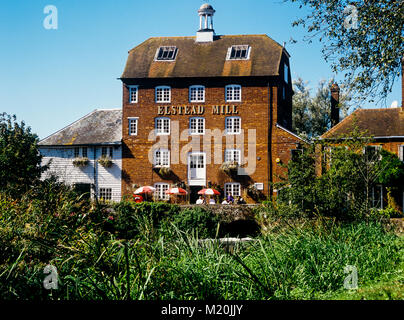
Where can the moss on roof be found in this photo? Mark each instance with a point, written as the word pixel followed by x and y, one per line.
pixel 204 59
pixel 386 122
pixel 97 127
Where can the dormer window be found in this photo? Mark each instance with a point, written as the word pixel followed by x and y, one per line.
pixel 239 52
pixel 166 53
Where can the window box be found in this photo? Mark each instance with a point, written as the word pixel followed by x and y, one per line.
pixel 165 171
pixel 229 167
pixel 105 161
pixel 80 162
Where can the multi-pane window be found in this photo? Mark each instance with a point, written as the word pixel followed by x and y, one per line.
pixel 233 93
pixel 233 125
pixel 197 94
pixel 233 188
pixel 239 52
pixel 197 125
pixel 163 94
pixel 232 155
pixel 84 152
pixel 107 152
pixel 161 158
pixel 166 53
pixel 133 93
pixel 132 122
pixel 105 193
pixel 162 126
pixel 76 152
pixel 160 193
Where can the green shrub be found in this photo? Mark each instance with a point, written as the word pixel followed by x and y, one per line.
pixel 199 220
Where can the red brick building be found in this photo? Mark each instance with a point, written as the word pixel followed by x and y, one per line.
pixel 208 110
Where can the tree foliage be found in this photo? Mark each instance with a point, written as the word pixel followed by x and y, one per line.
pixel 363 39
pixel 339 179
pixel 19 156
pixel 311 116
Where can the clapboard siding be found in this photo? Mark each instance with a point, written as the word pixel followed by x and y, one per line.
pixel 62 166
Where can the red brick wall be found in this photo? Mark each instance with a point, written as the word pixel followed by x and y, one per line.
pixel 253 110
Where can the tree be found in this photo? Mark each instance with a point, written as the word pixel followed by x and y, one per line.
pixel 311 116
pixel 19 156
pixel 340 179
pixel 363 39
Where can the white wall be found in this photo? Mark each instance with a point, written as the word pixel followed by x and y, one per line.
pixel 62 166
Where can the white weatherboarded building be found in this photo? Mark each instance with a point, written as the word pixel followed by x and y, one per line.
pixel 88 154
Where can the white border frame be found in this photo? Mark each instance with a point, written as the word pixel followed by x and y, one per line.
pixel 232 183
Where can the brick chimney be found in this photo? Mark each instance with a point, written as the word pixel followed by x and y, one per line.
pixel 334 104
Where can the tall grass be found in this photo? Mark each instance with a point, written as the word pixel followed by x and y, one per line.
pixel 167 261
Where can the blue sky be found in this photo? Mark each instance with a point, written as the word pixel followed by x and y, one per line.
pixel 50 78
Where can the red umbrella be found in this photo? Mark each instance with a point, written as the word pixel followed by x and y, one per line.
pixel 209 192
pixel 176 191
pixel 146 189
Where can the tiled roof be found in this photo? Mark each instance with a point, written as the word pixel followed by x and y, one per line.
pixel 205 59
pixel 98 127
pixel 388 122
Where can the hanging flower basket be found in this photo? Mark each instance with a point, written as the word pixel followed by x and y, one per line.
pixel 80 162
pixel 229 167
pixel 253 191
pixel 165 171
pixel 106 162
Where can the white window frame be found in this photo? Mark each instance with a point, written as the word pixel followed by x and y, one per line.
pixel 377 147
pixel 155 165
pixel 197 88
pixel 233 87
pixel 232 158
pixel 162 132
pixel 107 191
pixel 232 127
pixel 401 152
pixel 196 133
pixel 136 120
pixel 162 96
pixel 166 60
pixel 232 184
pixel 228 57
pixel 130 89
pixel 160 193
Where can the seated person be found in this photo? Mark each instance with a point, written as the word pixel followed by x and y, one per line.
pixel 200 200
pixel 240 200
pixel 212 201
pixel 230 198
pixel 225 202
